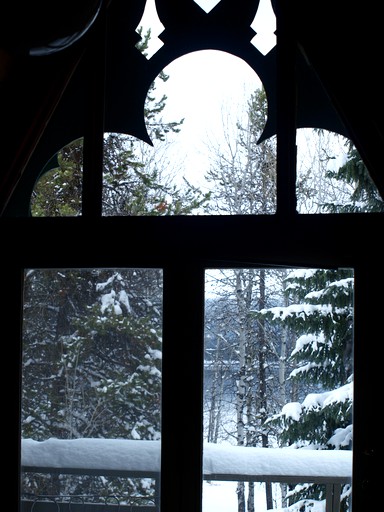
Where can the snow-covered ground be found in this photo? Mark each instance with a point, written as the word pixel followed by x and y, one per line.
pixel 221 497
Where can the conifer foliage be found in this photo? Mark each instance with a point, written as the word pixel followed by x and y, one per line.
pixel 91 364
pixel 321 316
pixel 365 196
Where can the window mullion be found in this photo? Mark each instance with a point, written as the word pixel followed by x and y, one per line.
pixel 94 126
pixel 12 309
pixel 367 371
pixel 286 110
pixel 181 471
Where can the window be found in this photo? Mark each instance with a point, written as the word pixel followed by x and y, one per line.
pixel 183 247
pixel 278 375
pixel 92 378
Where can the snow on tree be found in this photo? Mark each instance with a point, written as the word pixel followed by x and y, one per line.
pixel 321 316
pixel 365 196
pixel 91 364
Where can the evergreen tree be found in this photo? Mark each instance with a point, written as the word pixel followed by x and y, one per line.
pixel 365 197
pixel 58 191
pixel 125 336
pixel 322 319
pixel 323 185
pixel 91 364
pixel 137 186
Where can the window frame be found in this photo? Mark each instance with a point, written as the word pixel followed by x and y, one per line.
pixel 209 242
pixel 184 247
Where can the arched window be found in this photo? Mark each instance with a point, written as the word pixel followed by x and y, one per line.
pixel 92 82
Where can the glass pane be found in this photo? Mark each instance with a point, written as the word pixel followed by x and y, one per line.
pixel 331 175
pixel 91 386
pixel 204 115
pixel 278 389
pixel 215 153
pixel 58 192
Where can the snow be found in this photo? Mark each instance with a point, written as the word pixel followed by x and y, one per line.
pixel 318 401
pixel 105 454
pixel 219 459
pixel 220 496
pixel 302 310
pixel 290 462
pixel 342 437
pixel 321 400
pixel 308 339
pixel 292 410
pixel 109 301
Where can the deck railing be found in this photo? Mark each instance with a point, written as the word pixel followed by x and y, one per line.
pixel 141 459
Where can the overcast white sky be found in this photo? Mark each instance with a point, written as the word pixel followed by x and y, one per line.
pixel 212 81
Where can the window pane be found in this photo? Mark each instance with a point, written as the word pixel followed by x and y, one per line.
pixel 198 151
pixel 331 175
pixel 278 387
pixel 208 145
pixel 58 192
pixel 91 385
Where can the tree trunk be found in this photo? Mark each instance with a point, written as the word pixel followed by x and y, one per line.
pixel 241 382
pixel 263 402
pixel 251 497
pixel 216 397
pixel 240 497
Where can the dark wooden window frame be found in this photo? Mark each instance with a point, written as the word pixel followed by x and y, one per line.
pixel 184 247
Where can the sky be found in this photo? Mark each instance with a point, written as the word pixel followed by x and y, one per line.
pixel 219 459
pixel 217 86
pixel 212 81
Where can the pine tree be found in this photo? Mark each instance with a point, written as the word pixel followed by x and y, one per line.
pixel 58 191
pixel 365 197
pixel 91 364
pixel 322 319
pixel 124 331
